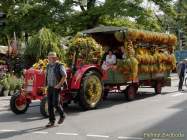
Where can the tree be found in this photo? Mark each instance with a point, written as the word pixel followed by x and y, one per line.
pixel 30 16
pixel 175 17
pixel 41 44
pixel 67 17
pixel 120 12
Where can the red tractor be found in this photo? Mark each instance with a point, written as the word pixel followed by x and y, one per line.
pixel 88 84
pixel 81 88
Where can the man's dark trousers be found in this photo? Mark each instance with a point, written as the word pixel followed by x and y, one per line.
pixel 54 102
pixel 181 80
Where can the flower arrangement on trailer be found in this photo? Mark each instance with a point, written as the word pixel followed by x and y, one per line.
pixel 147 52
pixel 86 48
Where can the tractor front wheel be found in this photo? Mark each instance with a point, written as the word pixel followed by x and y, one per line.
pixel 18 103
pixel 91 91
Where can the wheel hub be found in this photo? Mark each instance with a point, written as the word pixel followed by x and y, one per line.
pixel 21 103
pixel 94 90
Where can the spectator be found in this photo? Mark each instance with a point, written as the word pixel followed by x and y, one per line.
pixel 181 70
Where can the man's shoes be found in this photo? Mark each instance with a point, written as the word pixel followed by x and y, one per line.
pixel 181 90
pixel 61 120
pixel 50 124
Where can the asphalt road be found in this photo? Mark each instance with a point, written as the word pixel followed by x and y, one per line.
pixel 148 117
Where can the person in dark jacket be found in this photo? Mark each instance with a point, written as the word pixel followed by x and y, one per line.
pixel 55 78
pixel 181 70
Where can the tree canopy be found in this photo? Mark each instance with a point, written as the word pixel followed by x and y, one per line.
pixel 67 17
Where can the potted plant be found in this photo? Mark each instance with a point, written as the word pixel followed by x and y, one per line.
pixel 6 86
pixel 19 83
pixel 12 82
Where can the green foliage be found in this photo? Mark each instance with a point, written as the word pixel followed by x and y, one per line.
pixel 118 22
pixel 19 84
pixel 5 82
pixel 63 18
pixel 11 82
pixel 41 44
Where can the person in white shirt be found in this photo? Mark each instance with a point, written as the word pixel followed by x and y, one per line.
pixel 110 60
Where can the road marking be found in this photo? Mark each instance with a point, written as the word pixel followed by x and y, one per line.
pixel 40 132
pixel 97 136
pixel 178 94
pixel 8 130
pixel 34 118
pixel 68 134
pixel 130 138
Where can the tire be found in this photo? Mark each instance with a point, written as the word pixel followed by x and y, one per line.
pixel 130 92
pixel 17 99
pixel 44 107
pixel 158 87
pixel 90 82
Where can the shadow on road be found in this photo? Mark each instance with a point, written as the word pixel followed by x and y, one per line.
pixel 165 93
pixel 173 127
pixel 117 98
pixel 6 135
pixel 33 113
pixel 27 117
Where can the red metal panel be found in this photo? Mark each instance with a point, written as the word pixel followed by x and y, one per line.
pixel 76 79
pixel 34 79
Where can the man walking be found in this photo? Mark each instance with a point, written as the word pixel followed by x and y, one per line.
pixel 181 70
pixel 55 78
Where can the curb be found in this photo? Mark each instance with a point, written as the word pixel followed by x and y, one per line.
pixel 4 109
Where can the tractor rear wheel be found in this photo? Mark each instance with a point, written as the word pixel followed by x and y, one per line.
pixel 18 103
pixel 91 91
pixel 44 107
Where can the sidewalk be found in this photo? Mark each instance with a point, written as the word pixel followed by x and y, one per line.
pixel 4 103
pixel 174 76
